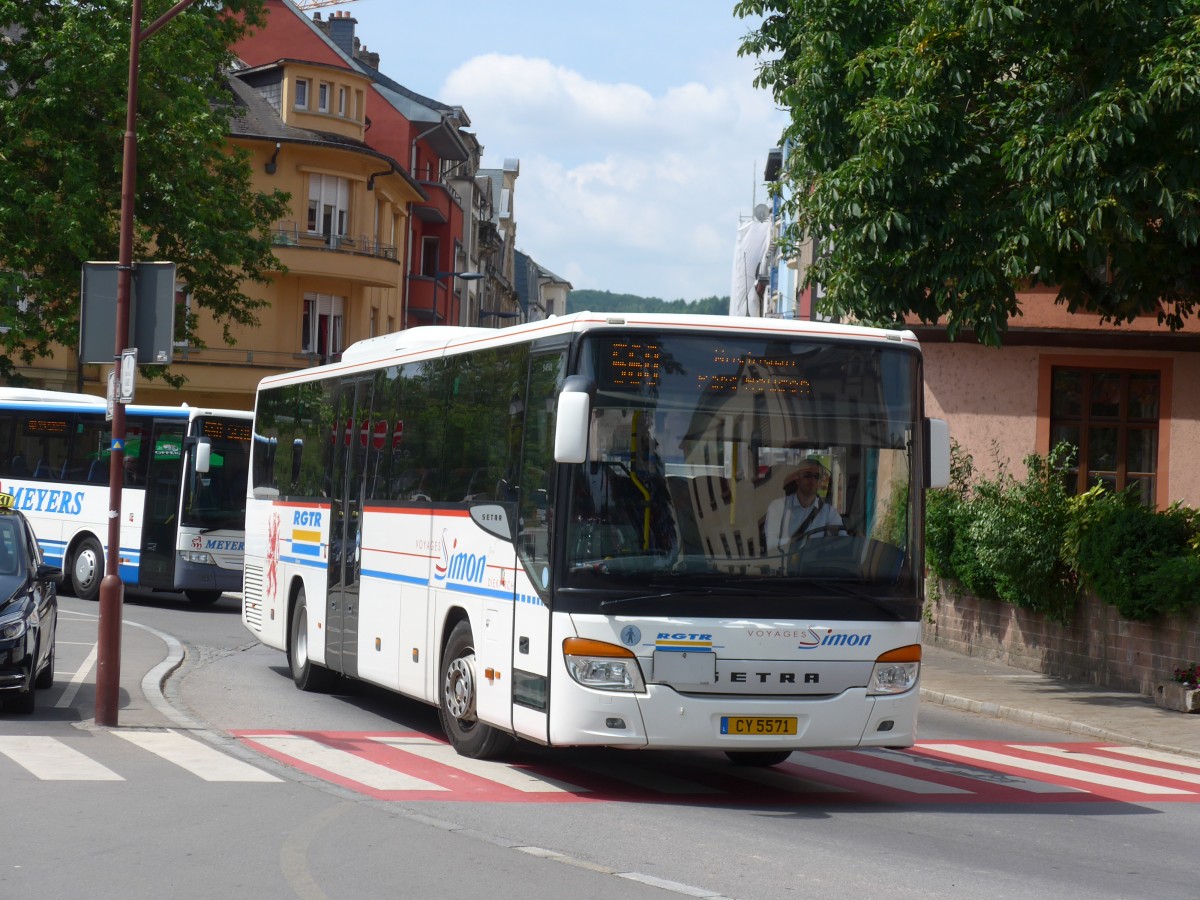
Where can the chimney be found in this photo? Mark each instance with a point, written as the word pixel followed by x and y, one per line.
pixel 341 31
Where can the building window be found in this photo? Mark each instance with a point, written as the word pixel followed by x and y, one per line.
pixel 342 101
pixel 183 314
pixel 328 206
pixel 322 326
pixel 323 97
pixel 374 324
pixel 1112 417
pixel 301 93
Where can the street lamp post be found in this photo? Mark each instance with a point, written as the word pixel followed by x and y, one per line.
pixel 112 590
pixel 437 280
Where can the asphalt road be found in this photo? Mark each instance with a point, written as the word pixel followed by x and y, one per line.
pixel 409 821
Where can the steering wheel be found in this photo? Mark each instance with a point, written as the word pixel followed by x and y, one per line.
pixel 819 531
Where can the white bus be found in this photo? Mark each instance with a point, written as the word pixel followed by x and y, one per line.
pixel 558 531
pixel 182 524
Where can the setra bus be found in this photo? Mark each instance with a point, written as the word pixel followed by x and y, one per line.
pixel 566 531
pixel 184 498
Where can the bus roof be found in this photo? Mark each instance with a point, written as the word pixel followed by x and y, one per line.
pixel 432 340
pixel 63 401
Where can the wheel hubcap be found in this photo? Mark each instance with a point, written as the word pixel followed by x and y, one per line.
pixel 85 567
pixel 460 689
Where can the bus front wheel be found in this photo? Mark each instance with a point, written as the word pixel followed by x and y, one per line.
pixel 87 569
pixel 457 709
pixel 307 674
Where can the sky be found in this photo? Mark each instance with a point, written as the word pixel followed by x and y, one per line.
pixel 641 138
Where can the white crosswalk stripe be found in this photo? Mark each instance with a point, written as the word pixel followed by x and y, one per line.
pixel 500 773
pixel 873 776
pixel 1044 768
pixel 200 759
pixel 1122 765
pixel 342 764
pixel 54 759
pixel 1174 759
pixel 946 767
pixel 50 759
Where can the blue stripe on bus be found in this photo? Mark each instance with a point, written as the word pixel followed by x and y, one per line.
pixel 493 593
pixel 306 549
pixel 301 561
pixel 392 576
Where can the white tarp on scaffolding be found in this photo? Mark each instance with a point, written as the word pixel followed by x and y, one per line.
pixel 749 255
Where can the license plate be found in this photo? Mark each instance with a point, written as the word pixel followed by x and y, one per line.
pixel 758 725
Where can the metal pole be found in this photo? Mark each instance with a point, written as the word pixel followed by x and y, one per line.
pixel 112 590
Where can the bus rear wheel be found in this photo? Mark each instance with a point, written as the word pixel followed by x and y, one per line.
pixel 307 675
pixel 457 709
pixel 758 757
pixel 87 569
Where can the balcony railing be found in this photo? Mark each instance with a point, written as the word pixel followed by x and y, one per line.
pixel 289 234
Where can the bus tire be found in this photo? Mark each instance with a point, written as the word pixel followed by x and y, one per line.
pixel 307 675
pixel 761 758
pixel 87 569
pixel 203 598
pixel 456 708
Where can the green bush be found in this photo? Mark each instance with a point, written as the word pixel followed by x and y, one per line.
pixel 1030 544
pixel 990 534
pixel 1138 560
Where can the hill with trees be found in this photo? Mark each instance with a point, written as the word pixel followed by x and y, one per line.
pixel 606 301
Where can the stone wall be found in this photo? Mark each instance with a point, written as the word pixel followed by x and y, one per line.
pixel 1098 646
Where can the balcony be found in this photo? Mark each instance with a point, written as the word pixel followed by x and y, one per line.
pixel 441 198
pixel 359 258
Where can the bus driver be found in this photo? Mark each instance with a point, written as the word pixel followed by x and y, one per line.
pixel 800 511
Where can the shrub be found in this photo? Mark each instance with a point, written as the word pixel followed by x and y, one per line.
pixel 1132 557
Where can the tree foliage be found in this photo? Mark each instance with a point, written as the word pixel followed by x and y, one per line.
pixel 946 153
pixel 65 66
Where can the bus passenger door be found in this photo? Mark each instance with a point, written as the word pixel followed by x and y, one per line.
pixel 353 413
pixel 160 464
pixel 531 645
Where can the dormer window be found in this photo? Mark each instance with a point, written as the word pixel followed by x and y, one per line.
pixel 301 93
pixel 323 97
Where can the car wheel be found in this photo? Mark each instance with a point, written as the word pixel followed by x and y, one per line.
pixel 45 678
pixel 307 674
pixel 456 709
pixel 757 757
pixel 87 569
pixel 203 598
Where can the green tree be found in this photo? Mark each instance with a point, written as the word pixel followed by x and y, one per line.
pixel 948 152
pixel 65 67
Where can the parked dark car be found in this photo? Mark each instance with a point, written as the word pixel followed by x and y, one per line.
pixel 28 613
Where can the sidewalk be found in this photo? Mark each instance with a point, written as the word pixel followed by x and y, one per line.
pixel 994 689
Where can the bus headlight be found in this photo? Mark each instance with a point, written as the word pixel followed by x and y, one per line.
pixel 896 671
pixel 199 557
pixel 607 667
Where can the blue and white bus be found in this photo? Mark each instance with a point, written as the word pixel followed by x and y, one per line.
pixel 582 531
pixel 182 525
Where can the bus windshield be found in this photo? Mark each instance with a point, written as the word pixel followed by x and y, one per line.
pixel 721 463
pixel 216 499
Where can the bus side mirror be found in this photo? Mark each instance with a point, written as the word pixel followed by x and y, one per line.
pixel 203 455
pixel 937 453
pixel 571 423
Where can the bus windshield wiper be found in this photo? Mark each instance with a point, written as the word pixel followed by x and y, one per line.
pixel 707 591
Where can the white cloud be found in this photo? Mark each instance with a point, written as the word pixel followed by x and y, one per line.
pixel 621 189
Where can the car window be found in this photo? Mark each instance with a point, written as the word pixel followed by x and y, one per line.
pixel 9 553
